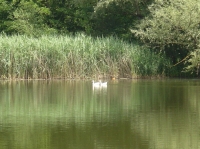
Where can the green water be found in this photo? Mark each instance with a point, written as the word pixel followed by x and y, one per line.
pixel 127 114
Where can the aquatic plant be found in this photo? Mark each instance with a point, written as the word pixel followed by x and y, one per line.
pixel 78 56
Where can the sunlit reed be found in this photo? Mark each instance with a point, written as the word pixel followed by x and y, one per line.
pixel 79 56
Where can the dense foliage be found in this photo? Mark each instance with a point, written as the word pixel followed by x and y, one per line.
pixel 36 17
pixel 170 27
pixel 174 27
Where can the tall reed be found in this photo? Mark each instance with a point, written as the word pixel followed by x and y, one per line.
pixel 78 56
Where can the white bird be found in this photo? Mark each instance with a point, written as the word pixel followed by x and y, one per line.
pixel 96 84
pixel 103 84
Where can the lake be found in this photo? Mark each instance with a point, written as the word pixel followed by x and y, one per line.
pixel 127 114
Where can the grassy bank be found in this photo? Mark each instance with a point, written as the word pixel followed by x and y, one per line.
pixel 77 56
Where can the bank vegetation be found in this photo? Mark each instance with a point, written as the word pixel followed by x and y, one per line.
pixel 78 56
pixel 88 38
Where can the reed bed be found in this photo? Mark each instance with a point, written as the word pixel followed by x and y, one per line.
pixel 79 56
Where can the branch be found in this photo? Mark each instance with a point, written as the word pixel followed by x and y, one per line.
pixel 181 61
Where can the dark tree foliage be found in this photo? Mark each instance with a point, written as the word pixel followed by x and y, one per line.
pixel 116 17
pixel 68 16
pixel 72 16
pixel 5 8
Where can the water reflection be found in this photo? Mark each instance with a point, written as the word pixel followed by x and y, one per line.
pixel 139 114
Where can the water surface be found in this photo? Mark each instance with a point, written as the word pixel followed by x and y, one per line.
pixel 127 114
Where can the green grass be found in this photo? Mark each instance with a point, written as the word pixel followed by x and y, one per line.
pixel 79 56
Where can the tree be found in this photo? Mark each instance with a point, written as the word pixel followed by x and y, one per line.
pixel 5 8
pixel 172 26
pixel 193 62
pixel 68 16
pixel 115 17
pixel 171 22
pixel 28 18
